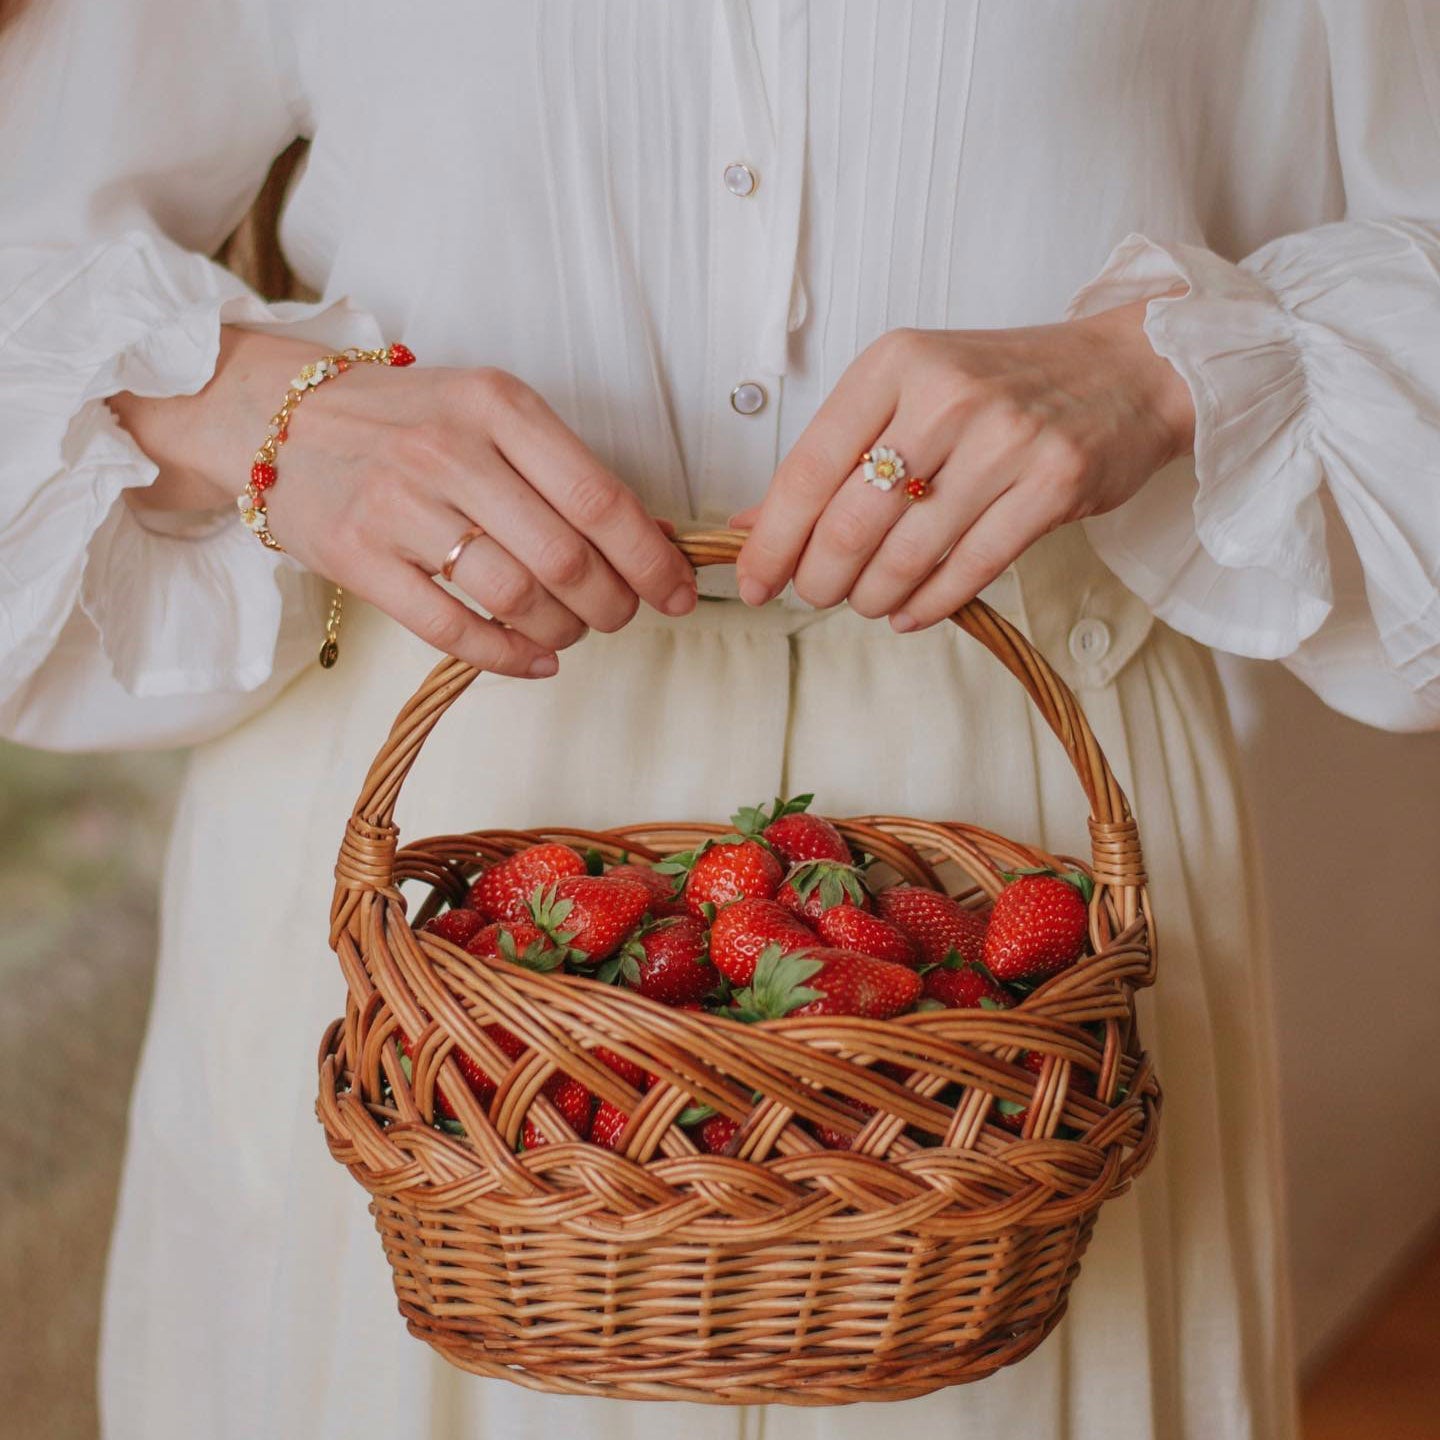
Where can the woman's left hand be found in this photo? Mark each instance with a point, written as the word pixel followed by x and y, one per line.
pixel 1017 431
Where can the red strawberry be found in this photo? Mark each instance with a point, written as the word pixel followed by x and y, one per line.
pixel 820 885
pixel 745 928
pixel 1011 1114
pixel 481 1085
pixel 504 891
pixel 572 1100
pixel 627 1070
pixel 833 1139
pixel 666 961
pixel 608 1129
pixel 663 899
pixel 456 926
pixel 517 941
pixel 793 834
pixel 730 868
pixel 826 982
pixel 590 914
pixel 848 927
pixel 1038 926
pixel 715 1134
pixel 958 984
pixel 935 922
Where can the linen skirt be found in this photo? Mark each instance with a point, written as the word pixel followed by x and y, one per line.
pixel 248 1295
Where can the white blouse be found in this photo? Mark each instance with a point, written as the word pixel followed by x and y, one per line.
pixel 680 222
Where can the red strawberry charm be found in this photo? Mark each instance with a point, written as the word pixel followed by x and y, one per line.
pixel 572 1100
pixel 608 1128
pixel 815 886
pixel 589 914
pixel 826 982
pixel 745 929
pixel 936 923
pixel 1038 926
pixel 504 891
pixel 730 868
pixel 847 927
pixel 667 961
pixel 792 832
pixel 957 984
pixel 456 926
pixel 663 899
pixel 400 355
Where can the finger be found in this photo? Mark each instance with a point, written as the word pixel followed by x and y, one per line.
pixel 421 606
pixel 523 523
pixel 853 526
pixel 744 519
pixel 1006 529
pixel 967 484
pixel 853 414
pixel 488 573
pixel 667 527
pixel 562 468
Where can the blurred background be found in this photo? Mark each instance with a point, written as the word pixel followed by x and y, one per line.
pixel 1349 824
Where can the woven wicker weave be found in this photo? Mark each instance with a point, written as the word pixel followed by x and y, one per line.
pixel 937 1249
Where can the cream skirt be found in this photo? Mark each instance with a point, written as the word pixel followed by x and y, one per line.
pixel 249 1298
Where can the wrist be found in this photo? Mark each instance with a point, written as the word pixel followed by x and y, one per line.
pixel 1161 390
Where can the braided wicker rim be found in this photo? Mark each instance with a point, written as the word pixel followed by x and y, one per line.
pixel 936 1249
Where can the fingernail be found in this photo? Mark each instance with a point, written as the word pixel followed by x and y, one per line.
pixel 681 600
pixel 903 622
pixel 543 666
pixel 753 592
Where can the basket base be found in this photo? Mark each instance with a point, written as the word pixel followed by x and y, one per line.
pixel 770 1381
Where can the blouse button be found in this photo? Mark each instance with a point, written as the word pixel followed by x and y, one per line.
pixel 747 398
pixel 740 179
pixel 1090 641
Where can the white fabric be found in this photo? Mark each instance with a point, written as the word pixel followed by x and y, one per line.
pixel 540 187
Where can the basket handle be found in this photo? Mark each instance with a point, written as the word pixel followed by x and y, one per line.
pixel 367 855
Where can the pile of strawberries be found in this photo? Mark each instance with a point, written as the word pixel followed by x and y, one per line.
pixel 776 919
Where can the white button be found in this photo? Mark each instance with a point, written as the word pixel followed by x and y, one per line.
pixel 1090 641
pixel 740 179
pixel 748 398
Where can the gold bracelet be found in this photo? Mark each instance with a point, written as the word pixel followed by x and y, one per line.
pixel 263 474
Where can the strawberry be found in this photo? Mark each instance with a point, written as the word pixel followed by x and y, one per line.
pixel 957 984
pixel 517 941
pixel 1011 1114
pixel 792 833
pixel 1038 925
pixel 627 1070
pixel 833 1139
pixel 935 922
pixel 663 899
pixel 456 926
pixel 715 1134
pixel 826 982
pixel 504 891
pixel 848 927
pixel 730 868
pixel 597 913
pixel 608 1128
pixel 745 928
pixel 818 885
pixel 481 1085
pixel 666 961
pixel 572 1100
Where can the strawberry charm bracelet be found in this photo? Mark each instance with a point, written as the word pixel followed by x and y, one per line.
pixel 254 514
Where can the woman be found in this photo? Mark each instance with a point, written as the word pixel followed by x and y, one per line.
pixel 733 246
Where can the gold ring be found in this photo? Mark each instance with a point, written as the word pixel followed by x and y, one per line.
pixel 452 559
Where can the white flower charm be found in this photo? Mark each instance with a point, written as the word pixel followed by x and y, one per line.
pixel 884 468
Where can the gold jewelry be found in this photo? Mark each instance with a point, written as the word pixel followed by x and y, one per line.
pixel 452 556
pixel 254 514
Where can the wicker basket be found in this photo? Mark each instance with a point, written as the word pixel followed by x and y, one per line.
pixel 937 1249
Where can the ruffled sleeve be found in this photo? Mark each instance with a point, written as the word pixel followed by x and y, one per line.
pixel 115 186
pixel 1308 527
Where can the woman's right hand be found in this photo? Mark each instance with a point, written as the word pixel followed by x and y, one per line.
pixel 383 471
